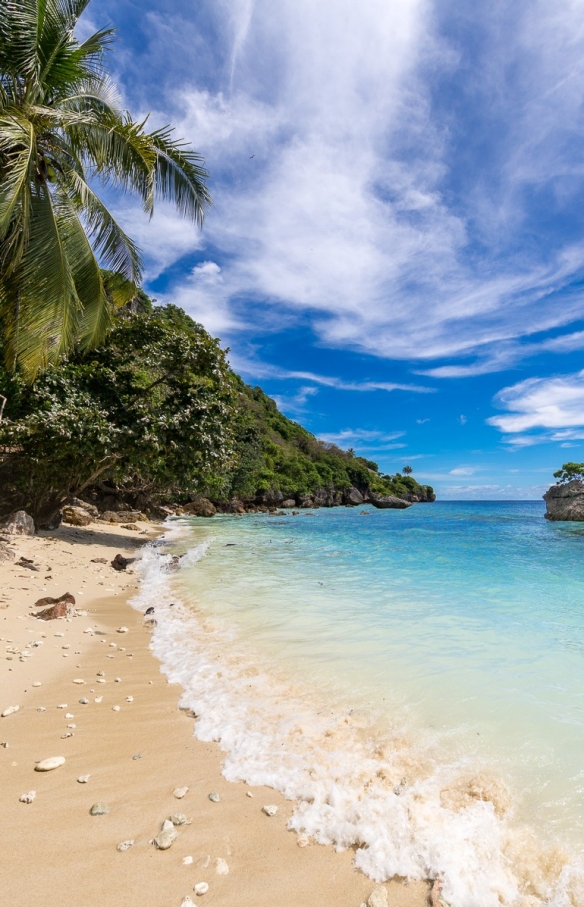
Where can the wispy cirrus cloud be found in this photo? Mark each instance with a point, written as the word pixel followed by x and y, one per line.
pixel 350 436
pixel 260 370
pixel 351 188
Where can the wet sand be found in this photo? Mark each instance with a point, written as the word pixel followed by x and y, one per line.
pixel 53 851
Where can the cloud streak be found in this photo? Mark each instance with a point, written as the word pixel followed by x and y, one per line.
pixel 554 405
pixel 346 191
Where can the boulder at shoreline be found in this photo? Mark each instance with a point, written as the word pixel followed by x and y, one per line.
pixel 565 502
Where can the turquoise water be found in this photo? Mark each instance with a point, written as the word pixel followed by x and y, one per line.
pixel 462 623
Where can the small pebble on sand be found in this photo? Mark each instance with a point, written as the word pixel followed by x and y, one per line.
pixel 63 706
pixel 270 810
pixel 124 845
pixel 69 715
pixel 78 680
pixel 36 683
pixel 10 710
pixel 28 797
pixel 83 701
pixel 166 837
pixel 180 792
pixel 303 840
pixel 221 867
pixel 187 861
pixel 123 630
pixel 201 888
pixel 178 819
pixel 214 797
pixel 98 699
pixel 378 897
pixel 248 793
pixel 118 680
pixel 99 809
pixel 129 698
pixel 41 708
pixel 83 779
pixel 187 902
pixel 115 708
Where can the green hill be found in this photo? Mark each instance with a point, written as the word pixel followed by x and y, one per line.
pixel 156 416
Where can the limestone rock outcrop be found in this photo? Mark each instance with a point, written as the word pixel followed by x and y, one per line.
pixel 121 516
pixel 388 501
pixel 352 497
pixel 18 523
pixel 200 507
pixel 75 516
pixel 565 502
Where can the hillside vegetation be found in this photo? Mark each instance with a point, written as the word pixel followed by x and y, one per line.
pixel 154 416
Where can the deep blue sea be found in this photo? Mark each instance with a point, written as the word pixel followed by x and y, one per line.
pixel 414 679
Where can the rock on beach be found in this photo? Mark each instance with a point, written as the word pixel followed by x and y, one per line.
pixel 47 765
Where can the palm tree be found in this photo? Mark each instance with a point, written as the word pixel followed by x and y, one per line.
pixel 407 470
pixel 61 131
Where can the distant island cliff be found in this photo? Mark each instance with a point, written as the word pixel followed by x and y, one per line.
pixel 565 500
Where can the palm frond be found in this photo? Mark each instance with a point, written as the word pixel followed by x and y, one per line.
pixel 181 176
pixel 49 307
pixel 95 310
pixel 18 151
pixel 116 250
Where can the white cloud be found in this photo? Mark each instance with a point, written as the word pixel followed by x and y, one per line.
pixel 329 166
pixel 542 403
pixel 258 370
pixel 164 239
pixel 295 404
pixel 492 492
pixel 463 420
pixel 350 436
pixel 462 471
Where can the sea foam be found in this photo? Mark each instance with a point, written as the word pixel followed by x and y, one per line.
pixel 388 792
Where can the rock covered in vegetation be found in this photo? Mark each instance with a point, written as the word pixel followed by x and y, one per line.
pixel 565 502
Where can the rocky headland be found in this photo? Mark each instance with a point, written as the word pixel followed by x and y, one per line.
pixel 565 501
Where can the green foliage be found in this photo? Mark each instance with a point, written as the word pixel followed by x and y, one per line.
pixel 276 453
pixel 151 408
pixel 568 472
pixel 156 410
pixel 62 130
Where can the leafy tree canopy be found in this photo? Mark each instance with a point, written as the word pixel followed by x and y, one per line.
pixel 151 408
pixel 568 472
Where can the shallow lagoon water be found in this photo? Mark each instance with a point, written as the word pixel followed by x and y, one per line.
pixel 454 629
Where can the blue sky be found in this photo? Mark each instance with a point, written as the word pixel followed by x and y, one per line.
pixel 396 251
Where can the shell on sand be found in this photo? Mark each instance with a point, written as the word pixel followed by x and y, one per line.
pixel 47 765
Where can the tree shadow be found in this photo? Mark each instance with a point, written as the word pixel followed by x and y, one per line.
pixel 94 535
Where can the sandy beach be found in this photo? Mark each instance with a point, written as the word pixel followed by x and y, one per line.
pixel 137 748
